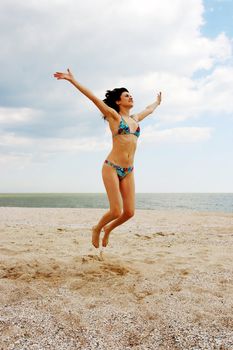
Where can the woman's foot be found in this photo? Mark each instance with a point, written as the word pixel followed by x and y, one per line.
pixel 95 237
pixel 106 236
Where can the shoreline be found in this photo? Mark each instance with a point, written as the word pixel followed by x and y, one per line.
pixel 196 202
pixel 164 282
pixel 137 210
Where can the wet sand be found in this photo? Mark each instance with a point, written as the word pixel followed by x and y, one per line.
pixel 165 281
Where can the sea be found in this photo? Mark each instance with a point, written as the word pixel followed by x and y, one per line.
pixel 204 202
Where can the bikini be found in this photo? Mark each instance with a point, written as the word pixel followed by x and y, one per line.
pixel 123 129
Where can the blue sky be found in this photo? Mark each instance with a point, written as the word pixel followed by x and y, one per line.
pixel 218 17
pixel 52 139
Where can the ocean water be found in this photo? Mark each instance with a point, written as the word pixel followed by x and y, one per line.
pixel 213 202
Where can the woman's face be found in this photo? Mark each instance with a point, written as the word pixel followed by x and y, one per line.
pixel 126 100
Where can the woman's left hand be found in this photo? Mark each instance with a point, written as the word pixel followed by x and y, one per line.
pixel 67 76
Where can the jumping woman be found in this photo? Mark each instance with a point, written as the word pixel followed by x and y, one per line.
pixel 117 170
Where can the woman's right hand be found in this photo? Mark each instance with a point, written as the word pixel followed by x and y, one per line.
pixel 67 76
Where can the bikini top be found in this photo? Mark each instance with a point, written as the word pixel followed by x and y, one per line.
pixel 124 129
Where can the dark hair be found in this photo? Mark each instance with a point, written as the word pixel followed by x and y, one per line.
pixel 112 96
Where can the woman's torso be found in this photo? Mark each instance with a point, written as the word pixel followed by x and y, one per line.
pixel 125 133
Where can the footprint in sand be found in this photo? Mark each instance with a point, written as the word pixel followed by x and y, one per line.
pixel 90 257
pixel 159 234
pixel 184 272
pixel 116 269
pixel 149 261
pixel 175 288
pixel 105 267
pixel 142 236
pixel 10 252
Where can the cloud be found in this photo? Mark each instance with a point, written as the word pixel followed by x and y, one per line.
pixel 12 140
pixel 216 91
pixel 12 147
pixel 15 160
pixel 176 135
pixel 105 45
pixel 17 115
pixel 185 98
pixel 91 144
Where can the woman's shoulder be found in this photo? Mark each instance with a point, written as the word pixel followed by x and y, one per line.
pixel 113 116
pixel 134 117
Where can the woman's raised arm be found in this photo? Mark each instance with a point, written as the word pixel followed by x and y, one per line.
pixel 149 109
pixel 107 111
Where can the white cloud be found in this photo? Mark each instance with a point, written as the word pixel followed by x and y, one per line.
pixel 176 135
pixel 15 160
pixel 88 144
pixel 216 91
pixel 186 98
pixel 41 149
pixel 17 115
pixel 132 39
pixel 37 150
pixel 10 139
pixel 129 35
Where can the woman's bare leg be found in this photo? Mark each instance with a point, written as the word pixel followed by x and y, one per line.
pixel 111 183
pixel 127 188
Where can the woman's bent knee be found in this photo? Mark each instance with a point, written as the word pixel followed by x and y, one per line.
pixel 129 213
pixel 115 213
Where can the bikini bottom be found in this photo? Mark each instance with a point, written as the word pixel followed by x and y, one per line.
pixel 121 172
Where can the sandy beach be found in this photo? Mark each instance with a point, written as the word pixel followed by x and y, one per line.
pixel 164 282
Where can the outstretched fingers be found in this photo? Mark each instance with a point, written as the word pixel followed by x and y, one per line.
pixel 61 75
pixel 58 75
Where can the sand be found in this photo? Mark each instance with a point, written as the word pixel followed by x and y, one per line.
pixel 164 282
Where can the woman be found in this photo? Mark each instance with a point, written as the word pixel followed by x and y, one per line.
pixel 117 170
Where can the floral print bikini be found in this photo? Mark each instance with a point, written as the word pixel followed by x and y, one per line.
pixel 123 129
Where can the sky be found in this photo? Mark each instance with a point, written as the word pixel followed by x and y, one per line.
pixel 53 139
